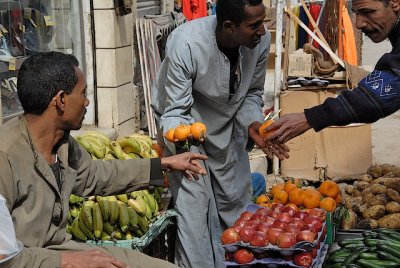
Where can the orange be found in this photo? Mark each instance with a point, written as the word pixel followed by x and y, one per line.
pixel 296 197
pixel 338 199
pixel 170 135
pixel 289 187
pixel 198 130
pixel 182 132
pixel 311 198
pixel 328 203
pixel 277 188
pixel 267 205
pixel 329 188
pixel 281 197
pixel 262 199
pixel 261 131
pixel 313 192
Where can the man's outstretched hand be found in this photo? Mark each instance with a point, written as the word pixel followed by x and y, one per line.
pixel 268 147
pixel 287 127
pixel 186 163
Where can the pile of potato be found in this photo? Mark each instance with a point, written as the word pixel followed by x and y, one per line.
pixel 373 200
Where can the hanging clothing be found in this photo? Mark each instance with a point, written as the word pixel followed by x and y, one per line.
pixel 302 37
pixel 349 41
pixel 194 9
pixel 315 9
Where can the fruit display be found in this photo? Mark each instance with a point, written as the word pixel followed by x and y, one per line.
pixel 292 194
pixel 275 234
pixel 130 147
pixel 375 249
pixel 374 199
pixel 119 217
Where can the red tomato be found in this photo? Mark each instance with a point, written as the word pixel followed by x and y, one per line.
pixel 303 259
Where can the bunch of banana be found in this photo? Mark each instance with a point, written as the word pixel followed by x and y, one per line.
pixel 144 203
pixel 95 143
pixel 157 193
pixel 110 217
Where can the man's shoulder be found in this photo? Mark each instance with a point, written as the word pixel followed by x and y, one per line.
pixel 10 132
pixel 198 27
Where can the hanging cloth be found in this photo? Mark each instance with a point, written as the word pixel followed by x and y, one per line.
pixel 194 9
pixel 302 37
pixel 349 41
pixel 315 9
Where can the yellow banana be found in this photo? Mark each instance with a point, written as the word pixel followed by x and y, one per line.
pixel 143 224
pixel 97 221
pixel 154 154
pixel 123 216
pixel 77 232
pixel 133 216
pixel 104 207
pixel 133 155
pixel 85 229
pixel 98 151
pixel 129 145
pixel 86 145
pixel 137 193
pixel 93 139
pixel 123 198
pixel 74 211
pixel 139 205
pixel 106 140
pixel 128 235
pixel 109 156
pixel 113 209
pixel 145 138
pixel 86 214
pixel 117 233
pixel 153 204
pixel 108 228
pixel 127 156
pixel 117 150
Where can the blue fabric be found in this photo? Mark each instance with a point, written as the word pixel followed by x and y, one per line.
pixel 258 183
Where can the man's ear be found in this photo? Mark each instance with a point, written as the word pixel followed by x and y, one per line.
pixel 60 99
pixel 395 5
pixel 228 26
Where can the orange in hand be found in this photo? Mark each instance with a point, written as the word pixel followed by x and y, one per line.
pixel 198 130
pixel 182 132
pixel 261 130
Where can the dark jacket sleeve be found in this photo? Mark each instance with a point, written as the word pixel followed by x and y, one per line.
pixel 377 96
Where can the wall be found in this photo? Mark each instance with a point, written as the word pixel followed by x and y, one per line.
pixel 116 94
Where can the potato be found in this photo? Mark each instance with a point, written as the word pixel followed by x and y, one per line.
pixel 375 212
pixel 347 202
pixel 349 222
pixel 390 221
pixel 386 168
pixel 392 183
pixel 378 189
pixel 356 193
pixel 358 208
pixel 365 177
pixel 392 207
pixel 380 199
pixel 366 191
pixel 392 194
pixel 393 174
pixel 367 197
pixel 362 185
pixel 349 189
pixel 375 171
pixel 367 224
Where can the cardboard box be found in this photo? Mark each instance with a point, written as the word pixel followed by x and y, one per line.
pixel 300 64
pixel 333 152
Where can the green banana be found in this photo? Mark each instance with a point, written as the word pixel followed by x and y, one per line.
pixel 123 216
pixel 156 209
pixel 104 206
pixel 138 204
pixel 113 209
pixel 86 145
pixel 127 156
pixel 93 139
pixel 108 228
pixel 105 236
pixel 123 198
pixel 98 151
pixel 77 232
pixel 109 156
pixel 128 235
pixel 129 145
pixel 97 221
pixel 149 212
pixel 117 233
pixel 74 199
pixel 145 138
pixel 154 154
pixel 85 229
pixel 86 214
pixel 133 216
pixel 68 229
pixel 143 224
pixel 106 140
pixel 74 212
pixel 139 233
pixel 133 155
pixel 117 149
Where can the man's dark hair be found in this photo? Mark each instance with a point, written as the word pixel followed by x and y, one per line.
pixel 42 76
pixel 233 10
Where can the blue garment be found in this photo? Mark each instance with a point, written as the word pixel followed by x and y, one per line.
pixel 258 183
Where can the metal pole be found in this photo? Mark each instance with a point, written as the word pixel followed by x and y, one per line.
pixel 280 4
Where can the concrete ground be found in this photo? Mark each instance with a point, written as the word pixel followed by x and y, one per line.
pixel 385 132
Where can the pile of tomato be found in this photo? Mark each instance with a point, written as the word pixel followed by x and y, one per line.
pixel 267 232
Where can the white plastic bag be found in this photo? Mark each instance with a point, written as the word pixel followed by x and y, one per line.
pixel 8 241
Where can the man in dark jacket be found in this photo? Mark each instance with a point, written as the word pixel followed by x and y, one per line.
pixel 376 96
